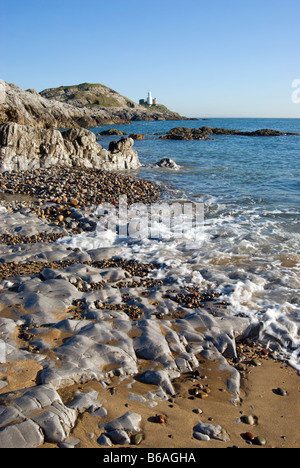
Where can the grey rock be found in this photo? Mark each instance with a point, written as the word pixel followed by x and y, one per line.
pixel 119 437
pixel 56 422
pixel 26 148
pixel 9 415
pixel 26 434
pixel 200 436
pixel 104 440
pixel 86 402
pixel 213 432
pixel 129 422
pixel 160 378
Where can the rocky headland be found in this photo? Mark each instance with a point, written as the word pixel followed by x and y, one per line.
pixel 86 105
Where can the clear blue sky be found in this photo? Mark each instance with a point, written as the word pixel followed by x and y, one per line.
pixel 222 58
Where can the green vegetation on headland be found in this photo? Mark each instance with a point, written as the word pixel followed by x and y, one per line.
pixel 88 95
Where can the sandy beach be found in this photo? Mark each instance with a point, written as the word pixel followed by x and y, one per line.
pixel 276 417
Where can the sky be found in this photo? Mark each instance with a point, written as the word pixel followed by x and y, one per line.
pixel 216 58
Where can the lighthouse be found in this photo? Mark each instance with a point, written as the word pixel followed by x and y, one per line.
pixel 149 99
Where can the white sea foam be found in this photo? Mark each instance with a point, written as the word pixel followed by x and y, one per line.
pixel 240 256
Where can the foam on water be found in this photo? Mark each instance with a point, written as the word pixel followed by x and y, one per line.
pixel 249 246
pixel 256 277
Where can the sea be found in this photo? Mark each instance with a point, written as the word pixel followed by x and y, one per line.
pixel 248 246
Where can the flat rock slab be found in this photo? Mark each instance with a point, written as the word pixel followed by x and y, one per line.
pixel 45 418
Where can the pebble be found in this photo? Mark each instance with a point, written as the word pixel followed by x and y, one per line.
pixel 249 436
pixel 137 439
pixel 256 362
pixel 259 440
pixel 248 420
pixel 281 391
pixel 159 418
pixel 76 187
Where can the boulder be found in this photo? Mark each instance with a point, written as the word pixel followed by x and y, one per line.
pixel 25 148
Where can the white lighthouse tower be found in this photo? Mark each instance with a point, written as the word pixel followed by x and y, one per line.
pixel 149 99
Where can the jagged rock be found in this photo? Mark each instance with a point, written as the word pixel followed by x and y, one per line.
pixel 25 148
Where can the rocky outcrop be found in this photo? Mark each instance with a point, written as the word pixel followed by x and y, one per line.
pixel 183 133
pixel 26 148
pixel 203 133
pixel 53 111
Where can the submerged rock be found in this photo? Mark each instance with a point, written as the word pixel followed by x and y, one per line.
pixel 167 163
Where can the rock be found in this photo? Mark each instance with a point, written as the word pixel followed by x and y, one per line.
pixel 119 437
pixel 86 402
pixel 26 148
pixel 213 432
pixel 26 434
pixel 104 440
pixel 47 418
pixel 249 436
pixel 248 420
pixel 184 133
pixel 136 439
pixel 168 163
pixel 110 132
pixel 160 419
pixel 200 436
pixel 129 422
pixel 56 422
pixel 159 378
pixel 203 133
pixel 137 136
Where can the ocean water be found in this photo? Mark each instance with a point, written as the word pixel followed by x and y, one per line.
pixel 249 246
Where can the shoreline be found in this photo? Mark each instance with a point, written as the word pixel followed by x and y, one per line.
pixel 40 345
